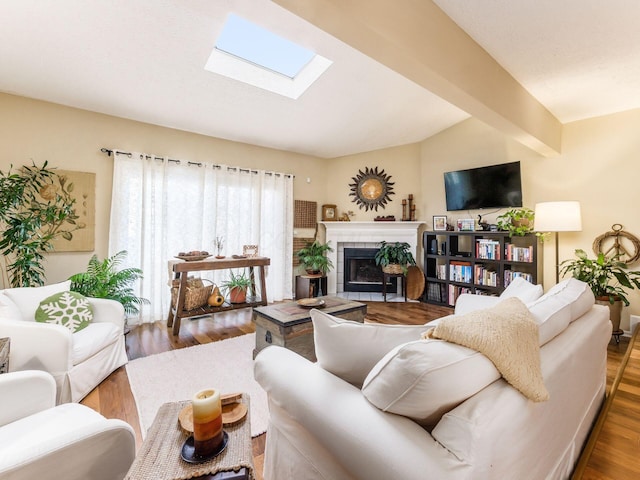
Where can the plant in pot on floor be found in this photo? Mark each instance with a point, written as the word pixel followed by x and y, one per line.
pixel 608 279
pixel 103 279
pixel 394 257
pixel 236 287
pixel 313 258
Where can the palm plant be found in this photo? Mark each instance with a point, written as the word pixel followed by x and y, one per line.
pixel 37 207
pixel 103 280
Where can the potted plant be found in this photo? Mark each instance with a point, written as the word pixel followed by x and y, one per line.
pixel 608 279
pixel 37 207
pixel 236 287
pixel 516 221
pixel 103 280
pixel 313 257
pixel 394 257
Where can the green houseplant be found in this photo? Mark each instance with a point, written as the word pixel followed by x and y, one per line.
pixel 608 279
pixel 313 257
pixel 103 280
pixel 516 221
pixel 37 207
pixel 394 257
pixel 236 287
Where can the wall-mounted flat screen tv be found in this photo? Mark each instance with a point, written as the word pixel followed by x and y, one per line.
pixel 493 186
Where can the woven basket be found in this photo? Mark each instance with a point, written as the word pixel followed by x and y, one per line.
pixel 197 293
pixel 392 268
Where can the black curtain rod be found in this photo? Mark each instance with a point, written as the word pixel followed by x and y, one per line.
pixel 129 154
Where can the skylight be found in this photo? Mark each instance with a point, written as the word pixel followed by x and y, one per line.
pixel 259 46
pixel 251 54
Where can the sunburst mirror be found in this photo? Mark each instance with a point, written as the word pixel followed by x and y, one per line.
pixel 371 189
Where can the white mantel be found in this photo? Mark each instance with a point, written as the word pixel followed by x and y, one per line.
pixel 366 232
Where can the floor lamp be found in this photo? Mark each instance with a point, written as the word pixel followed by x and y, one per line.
pixel 557 217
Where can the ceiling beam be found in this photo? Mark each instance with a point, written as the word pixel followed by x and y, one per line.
pixel 419 41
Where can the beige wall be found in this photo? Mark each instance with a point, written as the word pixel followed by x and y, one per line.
pixel 598 167
pixel 31 130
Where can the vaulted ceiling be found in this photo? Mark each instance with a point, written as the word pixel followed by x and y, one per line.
pixel 402 70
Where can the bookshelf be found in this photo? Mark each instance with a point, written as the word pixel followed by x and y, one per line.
pixel 477 262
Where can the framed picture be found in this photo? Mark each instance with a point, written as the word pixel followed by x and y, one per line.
pixel 439 223
pixel 250 250
pixel 466 225
pixel 329 213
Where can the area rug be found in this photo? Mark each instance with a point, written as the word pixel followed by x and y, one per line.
pixel 178 374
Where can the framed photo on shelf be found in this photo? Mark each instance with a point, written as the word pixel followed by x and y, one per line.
pixel 439 223
pixel 466 225
pixel 329 213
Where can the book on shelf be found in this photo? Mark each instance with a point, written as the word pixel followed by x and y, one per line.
pixel 455 291
pixel 460 272
pixel 518 254
pixel 510 275
pixel 487 249
pixel 484 276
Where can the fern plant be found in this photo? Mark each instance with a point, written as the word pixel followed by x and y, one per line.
pixel 103 280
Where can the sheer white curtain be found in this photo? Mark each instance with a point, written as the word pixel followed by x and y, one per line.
pixel 160 208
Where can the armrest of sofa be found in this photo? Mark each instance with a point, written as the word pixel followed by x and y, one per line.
pixel 38 346
pixel 25 393
pixel 469 302
pixel 107 310
pixel 366 441
pixel 71 440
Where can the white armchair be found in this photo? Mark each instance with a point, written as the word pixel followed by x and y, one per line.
pixel 78 361
pixel 70 441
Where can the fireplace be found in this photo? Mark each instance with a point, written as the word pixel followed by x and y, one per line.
pixel 361 274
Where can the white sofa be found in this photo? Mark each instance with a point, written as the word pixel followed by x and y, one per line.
pixel 39 440
pixel 78 361
pixel 322 427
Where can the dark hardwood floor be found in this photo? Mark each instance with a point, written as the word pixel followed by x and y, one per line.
pixel 113 397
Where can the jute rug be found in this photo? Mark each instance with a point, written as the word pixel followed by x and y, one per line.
pixel 177 375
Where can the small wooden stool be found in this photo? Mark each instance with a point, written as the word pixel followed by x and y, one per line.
pixel 386 276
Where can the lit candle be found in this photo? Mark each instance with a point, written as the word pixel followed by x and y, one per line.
pixel 207 422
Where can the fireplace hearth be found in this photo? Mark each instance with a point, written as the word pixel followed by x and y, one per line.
pixel 361 274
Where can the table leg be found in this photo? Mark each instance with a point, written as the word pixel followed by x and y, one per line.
pixel 252 277
pixel 182 291
pixel 263 286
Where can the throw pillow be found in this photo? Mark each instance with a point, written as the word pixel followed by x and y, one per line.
pixel 28 298
pixel 69 309
pixel 425 379
pixel 522 289
pixel 350 349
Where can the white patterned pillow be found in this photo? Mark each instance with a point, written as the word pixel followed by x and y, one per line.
pixel 69 309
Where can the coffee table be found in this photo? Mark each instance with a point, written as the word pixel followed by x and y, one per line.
pixel 289 325
pixel 159 455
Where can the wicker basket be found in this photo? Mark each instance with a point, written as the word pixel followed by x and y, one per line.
pixel 393 268
pixel 197 293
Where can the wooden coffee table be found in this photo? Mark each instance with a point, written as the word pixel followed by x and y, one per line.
pixel 289 325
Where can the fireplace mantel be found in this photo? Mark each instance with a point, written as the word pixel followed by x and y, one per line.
pixel 366 232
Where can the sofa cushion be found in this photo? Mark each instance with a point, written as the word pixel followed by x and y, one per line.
pixel 350 349
pixel 69 309
pixel 424 379
pixel 28 298
pixel 522 289
pixel 561 305
pixel 92 339
pixel 8 309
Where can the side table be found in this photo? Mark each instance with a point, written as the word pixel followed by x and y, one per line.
pixel 310 286
pixel 159 455
pixel 385 278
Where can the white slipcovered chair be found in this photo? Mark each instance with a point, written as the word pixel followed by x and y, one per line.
pixel 41 440
pixel 78 361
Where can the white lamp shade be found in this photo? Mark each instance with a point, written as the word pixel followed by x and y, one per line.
pixel 558 217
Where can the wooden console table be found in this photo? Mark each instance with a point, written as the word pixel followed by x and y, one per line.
pixel 181 271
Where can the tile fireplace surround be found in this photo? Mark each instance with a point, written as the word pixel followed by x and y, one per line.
pixel 363 235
